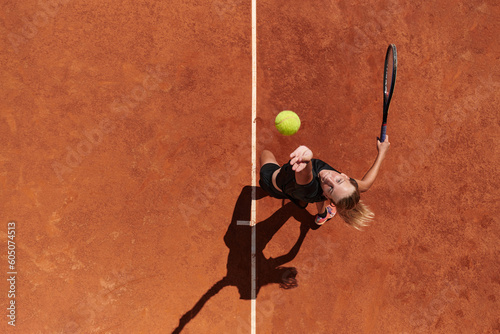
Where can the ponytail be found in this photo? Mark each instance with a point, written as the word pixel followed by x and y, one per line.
pixel 353 211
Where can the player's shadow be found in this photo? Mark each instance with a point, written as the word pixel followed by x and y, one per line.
pixel 238 239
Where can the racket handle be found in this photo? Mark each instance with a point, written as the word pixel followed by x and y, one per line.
pixel 383 132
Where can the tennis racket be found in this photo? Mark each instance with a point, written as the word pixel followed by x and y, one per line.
pixel 391 64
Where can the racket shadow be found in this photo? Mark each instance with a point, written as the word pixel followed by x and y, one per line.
pixel 238 239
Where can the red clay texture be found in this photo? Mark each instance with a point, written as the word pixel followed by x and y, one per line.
pixel 125 163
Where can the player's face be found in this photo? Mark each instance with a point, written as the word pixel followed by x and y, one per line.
pixel 336 186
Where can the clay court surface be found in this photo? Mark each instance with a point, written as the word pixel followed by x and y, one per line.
pixel 126 164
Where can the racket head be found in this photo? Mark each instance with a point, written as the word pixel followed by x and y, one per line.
pixel 390 69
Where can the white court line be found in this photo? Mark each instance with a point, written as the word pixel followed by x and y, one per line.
pixel 253 216
pixel 243 223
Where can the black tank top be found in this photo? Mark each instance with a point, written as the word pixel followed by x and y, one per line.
pixel 309 193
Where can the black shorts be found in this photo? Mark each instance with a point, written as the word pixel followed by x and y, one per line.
pixel 266 180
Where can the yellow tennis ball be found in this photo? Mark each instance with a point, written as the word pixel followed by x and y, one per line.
pixel 287 122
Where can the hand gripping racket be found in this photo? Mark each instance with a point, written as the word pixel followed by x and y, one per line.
pixel 391 64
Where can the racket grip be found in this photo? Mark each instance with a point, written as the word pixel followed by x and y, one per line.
pixel 383 132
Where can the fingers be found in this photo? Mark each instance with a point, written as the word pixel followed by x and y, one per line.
pixel 299 158
pixel 296 156
pixel 386 140
pixel 297 153
pixel 300 153
pixel 298 167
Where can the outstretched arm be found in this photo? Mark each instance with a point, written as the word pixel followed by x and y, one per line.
pixel 300 161
pixel 366 182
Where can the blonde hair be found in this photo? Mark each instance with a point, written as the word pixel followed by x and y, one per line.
pixel 353 211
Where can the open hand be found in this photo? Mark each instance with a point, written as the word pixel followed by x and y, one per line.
pixel 300 158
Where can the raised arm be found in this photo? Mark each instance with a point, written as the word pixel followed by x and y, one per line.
pixel 300 161
pixel 366 182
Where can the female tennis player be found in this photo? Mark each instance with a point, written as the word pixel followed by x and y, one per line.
pixel 306 180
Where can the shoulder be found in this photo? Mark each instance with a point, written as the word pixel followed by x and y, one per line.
pixel 319 165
